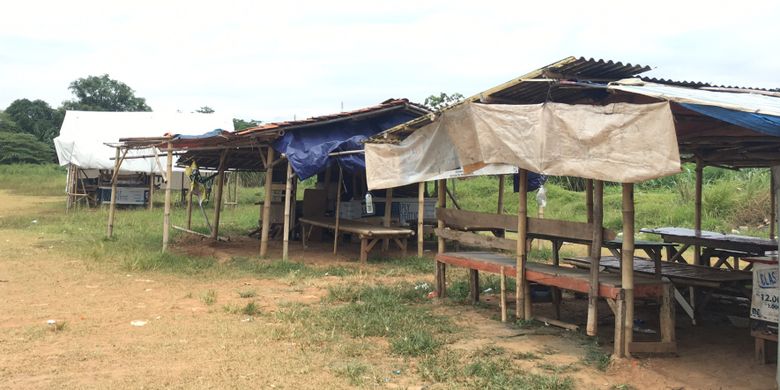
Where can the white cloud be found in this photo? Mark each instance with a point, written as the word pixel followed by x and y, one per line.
pixel 271 61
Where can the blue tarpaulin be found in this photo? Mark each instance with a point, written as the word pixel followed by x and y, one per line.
pixel 308 148
pixel 767 124
pixel 535 181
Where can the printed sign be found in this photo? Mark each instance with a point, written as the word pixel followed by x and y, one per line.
pixel 765 293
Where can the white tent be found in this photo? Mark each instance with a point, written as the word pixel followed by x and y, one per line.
pixel 84 133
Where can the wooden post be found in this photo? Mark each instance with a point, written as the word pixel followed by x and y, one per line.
pixel 627 267
pixel 388 216
pixel 287 203
pixel 522 301
pixel 338 210
pixel 112 205
pixel 151 190
pixel 595 256
pixel 441 268
pixel 773 201
pixel 589 199
pixel 697 209
pixel 420 215
pixel 70 187
pixel 266 224
pixel 500 194
pixel 167 209
pixel 503 296
pixel 775 180
pixel 189 208
pixel 218 196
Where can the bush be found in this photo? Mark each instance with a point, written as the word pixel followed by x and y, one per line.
pixel 23 148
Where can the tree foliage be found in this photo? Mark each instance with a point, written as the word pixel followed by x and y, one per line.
pixel 18 148
pixel 101 93
pixel 240 124
pixel 442 100
pixel 7 125
pixel 34 117
pixel 205 110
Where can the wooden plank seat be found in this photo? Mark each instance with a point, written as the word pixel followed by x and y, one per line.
pixel 459 225
pixel 369 234
pixel 573 279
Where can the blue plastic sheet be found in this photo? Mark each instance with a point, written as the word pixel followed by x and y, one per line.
pixel 308 148
pixel 535 181
pixel 767 124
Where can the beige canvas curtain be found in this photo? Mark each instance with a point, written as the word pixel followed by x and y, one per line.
pixel 619 142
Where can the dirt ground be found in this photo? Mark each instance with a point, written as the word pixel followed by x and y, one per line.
pixel 186 343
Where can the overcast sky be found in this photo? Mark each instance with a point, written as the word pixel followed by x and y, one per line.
pixel 271 61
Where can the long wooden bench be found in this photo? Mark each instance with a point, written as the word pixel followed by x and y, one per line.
pixel 459 224
pixel 369 234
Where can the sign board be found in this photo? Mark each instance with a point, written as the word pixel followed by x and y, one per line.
pixel 766 304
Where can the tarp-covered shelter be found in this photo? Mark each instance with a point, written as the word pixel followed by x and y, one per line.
pixel 527 122
pixel 81 147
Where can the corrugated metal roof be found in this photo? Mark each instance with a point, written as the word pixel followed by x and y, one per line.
pixel 714 87
pixel 367 112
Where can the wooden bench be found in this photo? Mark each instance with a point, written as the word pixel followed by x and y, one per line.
pixel 761 337
pixel 369 234
pixel 459 224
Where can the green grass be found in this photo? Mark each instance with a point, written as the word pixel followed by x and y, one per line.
pixel 209 297
pixel 246 293
pixel 354 371
pixel 416 343
pixel 36 180
pixel 250 309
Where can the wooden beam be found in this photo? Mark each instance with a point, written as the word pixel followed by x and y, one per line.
pixel 589 199
pixel 537 227
pixel 287 204
pixel 189 207
pixel 269 173
pixel 595 257
pixel 167 208
pixel 388 216
pixel 198 233
pixel 500 194
pixel 522 301
pixel 558 323
pixel 441 268
pixel 112 205
pixel 338 216
pixel 151 190
pixel 503 300
pixel 218 196
pixel 627 266
pixel 420 216
pixel 697 208
pixel 475 239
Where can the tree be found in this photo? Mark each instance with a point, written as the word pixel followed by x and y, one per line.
pixel 34 117
pixel 101 93
pixel 205 110
pixel 442 101
pixel 240 124
pixel 21 148
pixel 7 124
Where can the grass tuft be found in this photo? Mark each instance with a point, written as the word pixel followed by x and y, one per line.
pixel 250 309
pixel 246 293
pixel 417 343
pixel 209 297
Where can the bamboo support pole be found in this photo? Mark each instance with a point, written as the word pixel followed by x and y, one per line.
pixel 388 216
pixel 589 199
pixel 338 210
pixel 70 188
pixel 595 256
pixel 441 268
pixel 627 267
pixel 266 222
pixel 501 184
pixel 773 201
pixel 287 203
pixel 151 190
pixel 522 301
pixel 420 216
pixel 167 209
pixel 189 208
pixel 218 196
pixel 697 208
pixel 112 205
pixel 775 172
pixel 503 296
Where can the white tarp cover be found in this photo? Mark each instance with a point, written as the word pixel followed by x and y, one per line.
pixel 747 102
pixel 619 142
pixel 84 133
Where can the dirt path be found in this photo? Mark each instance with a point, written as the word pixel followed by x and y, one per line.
pixel 188 343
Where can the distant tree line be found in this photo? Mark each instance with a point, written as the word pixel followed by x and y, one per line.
pixel 28 127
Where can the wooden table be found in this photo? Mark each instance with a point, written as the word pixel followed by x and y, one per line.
pixel 714 244
pixel 369 234
pixel 771 260
pixel 707 278
pixel 652 248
